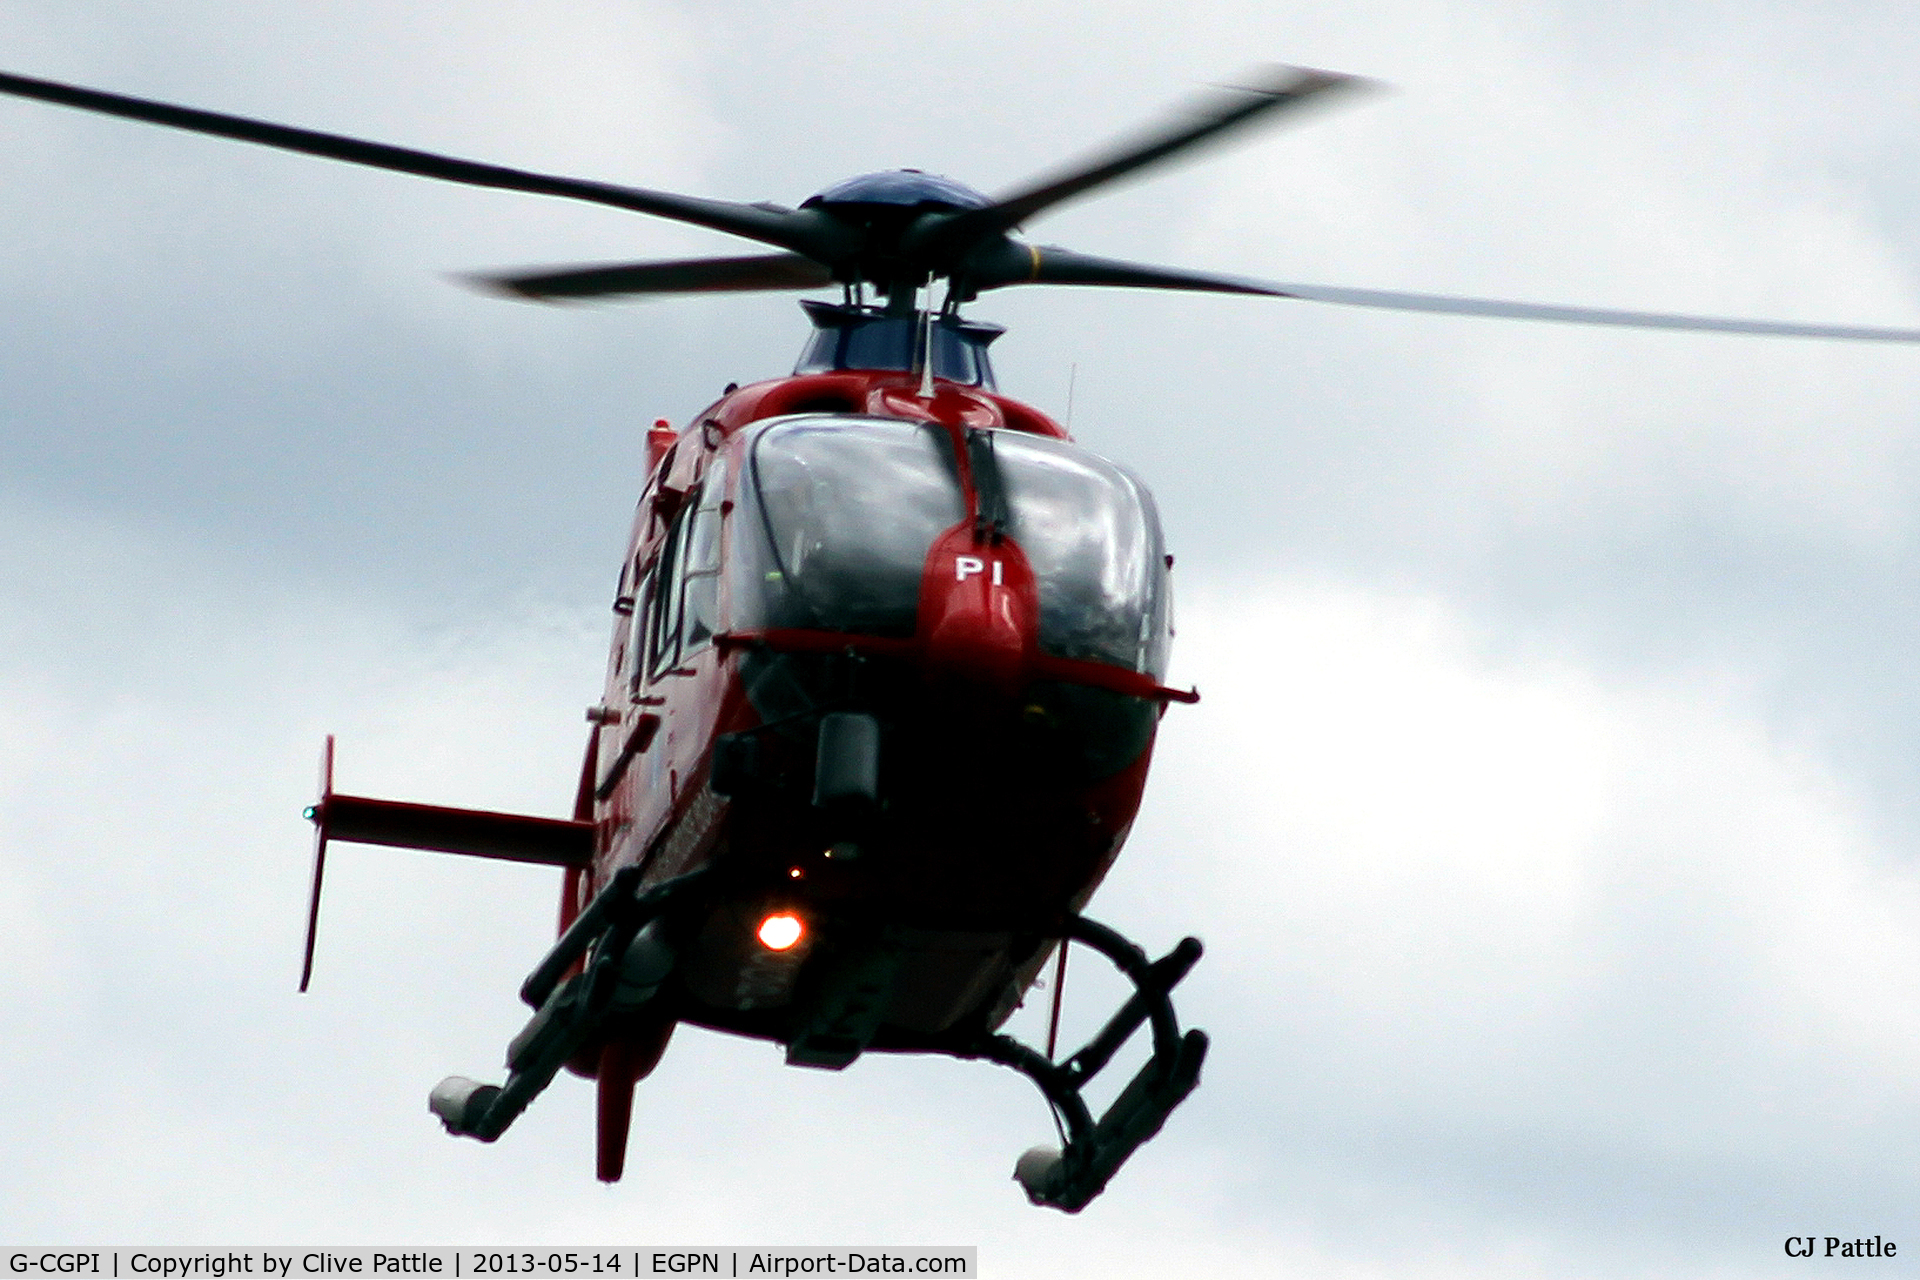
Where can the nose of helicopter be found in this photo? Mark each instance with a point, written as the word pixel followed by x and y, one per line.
pixel 979 611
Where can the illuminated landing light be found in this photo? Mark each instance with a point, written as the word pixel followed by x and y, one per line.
pixel 779 932
pixel 794 873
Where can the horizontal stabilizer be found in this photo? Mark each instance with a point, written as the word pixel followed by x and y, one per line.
pixel 514 837
pixel 480 833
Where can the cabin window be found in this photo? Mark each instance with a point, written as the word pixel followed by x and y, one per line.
pixel 634 661
pixel 663 601
pixel 683 592
pixel 700 590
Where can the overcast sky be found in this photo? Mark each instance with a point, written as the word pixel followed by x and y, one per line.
pixel 1550 815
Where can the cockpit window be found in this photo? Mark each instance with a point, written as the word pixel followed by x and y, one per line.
pixel 840 514
pixel 847 510
pixel 1093 538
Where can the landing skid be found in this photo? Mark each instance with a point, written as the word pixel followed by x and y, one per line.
pixel 1070 1178
pixel 618 957
pixel 627 964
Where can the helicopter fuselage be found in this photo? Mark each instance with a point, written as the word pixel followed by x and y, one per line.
pixel 835 576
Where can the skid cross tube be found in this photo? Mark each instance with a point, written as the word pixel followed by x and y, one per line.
pixel 568 1010
pixel 1070 1178
pixel 1152 983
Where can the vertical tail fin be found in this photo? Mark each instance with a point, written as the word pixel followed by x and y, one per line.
pixel 319 815
pixel 628 1058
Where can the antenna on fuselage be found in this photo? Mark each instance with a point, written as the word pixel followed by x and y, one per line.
pixel 926 345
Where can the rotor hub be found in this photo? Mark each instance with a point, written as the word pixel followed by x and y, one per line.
pixel 908 188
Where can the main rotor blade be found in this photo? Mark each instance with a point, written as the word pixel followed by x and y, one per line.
pixel 1208 117
pixel 1063 266
pixel 802 232
pixel 692 275
pixel 1395 301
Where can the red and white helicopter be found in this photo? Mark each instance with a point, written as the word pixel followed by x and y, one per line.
pixel 886 663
